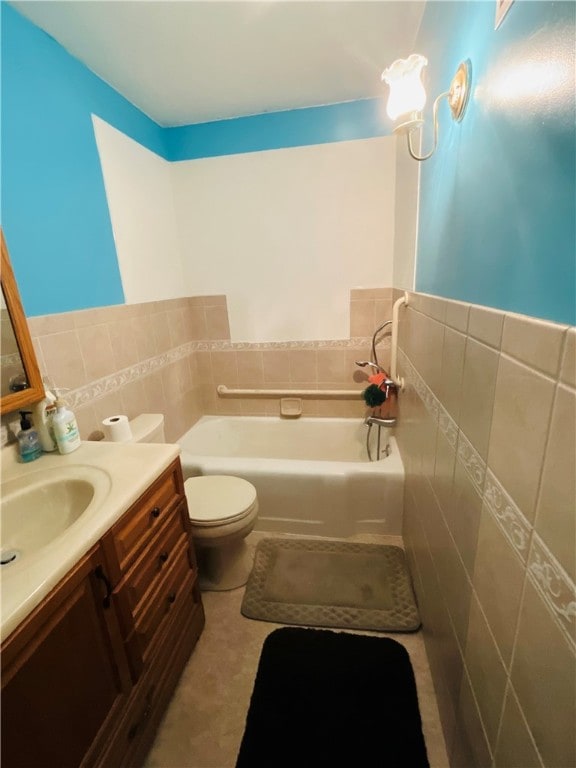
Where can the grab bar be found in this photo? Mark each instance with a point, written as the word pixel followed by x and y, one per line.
pixel 310 394
pixel 398 380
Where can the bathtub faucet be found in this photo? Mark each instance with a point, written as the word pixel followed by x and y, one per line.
pixel 388 385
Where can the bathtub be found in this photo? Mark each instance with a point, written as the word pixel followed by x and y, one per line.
pixel 312 475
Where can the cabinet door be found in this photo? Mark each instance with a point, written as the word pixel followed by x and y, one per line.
pixel 64 674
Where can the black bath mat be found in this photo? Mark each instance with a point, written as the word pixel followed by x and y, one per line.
pixel 324 698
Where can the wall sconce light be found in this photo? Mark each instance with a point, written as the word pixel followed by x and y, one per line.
pixel 408 97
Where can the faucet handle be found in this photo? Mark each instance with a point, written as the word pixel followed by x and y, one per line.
pixel 389 385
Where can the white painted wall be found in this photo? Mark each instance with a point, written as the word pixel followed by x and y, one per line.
pixel 286 233
pixel 406 216
pixel 140 199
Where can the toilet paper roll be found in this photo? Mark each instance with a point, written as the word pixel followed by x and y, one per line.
pixel 117 429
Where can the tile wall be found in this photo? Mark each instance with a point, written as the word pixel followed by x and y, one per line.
pixel 322 365
pixel 487 431
pixel 131 359
pixel 169 357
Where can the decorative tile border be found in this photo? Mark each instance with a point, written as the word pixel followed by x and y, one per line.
pixel 413 378
pixel 514 525
pixel 472 462
pixel 512 522
pixel 357 342
pixel 431 402
pixel 555 586
pixel 109 384
pixel 469 457
pixel 98 389
pixel 448 427
pixel 553 583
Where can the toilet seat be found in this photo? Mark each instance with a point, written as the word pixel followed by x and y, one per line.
pixel 219 499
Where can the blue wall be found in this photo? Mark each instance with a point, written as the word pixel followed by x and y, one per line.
pixel 497 218
pixel 275 130
pixel 54 209
pixel 497 200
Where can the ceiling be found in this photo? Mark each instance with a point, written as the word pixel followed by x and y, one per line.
pixel 192 61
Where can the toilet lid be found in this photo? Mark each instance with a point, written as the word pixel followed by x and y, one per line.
pixel 214 499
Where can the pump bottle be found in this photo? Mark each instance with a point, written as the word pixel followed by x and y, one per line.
pixel 65 428
pixel 43 413
pixel 28 440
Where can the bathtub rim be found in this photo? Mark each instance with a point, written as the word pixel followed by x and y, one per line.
pixel 390 464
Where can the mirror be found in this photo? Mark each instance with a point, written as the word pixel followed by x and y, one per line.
pixel 20 380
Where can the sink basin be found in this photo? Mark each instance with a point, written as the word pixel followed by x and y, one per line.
pixel 38 508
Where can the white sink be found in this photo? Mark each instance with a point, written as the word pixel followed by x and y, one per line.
pixel 38 508
pixel 55 510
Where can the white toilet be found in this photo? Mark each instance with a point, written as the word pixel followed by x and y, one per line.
pixel 223 510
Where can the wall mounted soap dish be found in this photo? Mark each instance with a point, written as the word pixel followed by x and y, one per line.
pixel 291 407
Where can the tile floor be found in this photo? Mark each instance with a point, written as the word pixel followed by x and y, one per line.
pixel 203 725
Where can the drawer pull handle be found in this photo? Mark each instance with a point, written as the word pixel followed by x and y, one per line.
pixel 171 598
pixel 99 573
pixel 163 557
pixel 156 512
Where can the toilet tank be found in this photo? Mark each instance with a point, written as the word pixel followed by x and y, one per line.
pixel 148 428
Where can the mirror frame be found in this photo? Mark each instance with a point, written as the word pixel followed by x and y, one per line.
pixel 35 390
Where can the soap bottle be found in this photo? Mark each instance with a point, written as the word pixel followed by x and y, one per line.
pixel 28 440
pixel 65 428
pixel 43 414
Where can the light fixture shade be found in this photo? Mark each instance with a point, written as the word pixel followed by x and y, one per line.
pixel 407 93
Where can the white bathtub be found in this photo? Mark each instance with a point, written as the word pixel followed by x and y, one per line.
pixel 312 475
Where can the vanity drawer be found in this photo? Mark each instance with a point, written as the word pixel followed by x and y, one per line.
pixel 145 517
pixel 176 586
pixel 135 732
pixel 155 560
pixel 185 632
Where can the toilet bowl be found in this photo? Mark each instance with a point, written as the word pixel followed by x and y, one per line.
pixel 223 510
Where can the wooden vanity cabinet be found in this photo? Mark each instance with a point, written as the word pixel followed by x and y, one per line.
pixel 65 675
pixel 88 675
pixel 151 558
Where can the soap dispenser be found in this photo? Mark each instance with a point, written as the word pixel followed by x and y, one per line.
pixel 28 440
pixel 65 428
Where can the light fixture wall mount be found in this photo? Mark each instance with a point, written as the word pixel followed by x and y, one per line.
pixel 459 92
pixel 408 97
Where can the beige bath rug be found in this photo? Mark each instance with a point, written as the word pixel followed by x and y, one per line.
pixel 325 583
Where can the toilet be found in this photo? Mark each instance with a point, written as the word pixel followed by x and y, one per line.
pixel 223 509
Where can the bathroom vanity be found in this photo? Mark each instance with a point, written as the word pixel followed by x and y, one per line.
pixel 90 662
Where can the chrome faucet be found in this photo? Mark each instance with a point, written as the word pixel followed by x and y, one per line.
pixel 388 383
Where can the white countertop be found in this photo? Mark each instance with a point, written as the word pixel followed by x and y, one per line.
pixel 130 468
